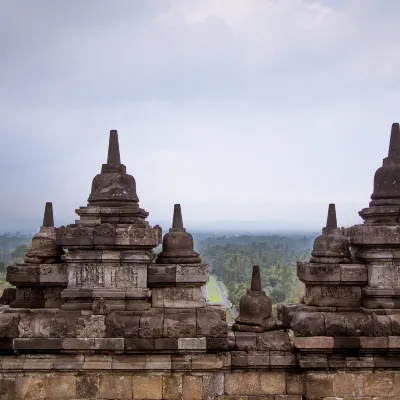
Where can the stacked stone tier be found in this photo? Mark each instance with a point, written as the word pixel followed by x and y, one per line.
pixel 332 285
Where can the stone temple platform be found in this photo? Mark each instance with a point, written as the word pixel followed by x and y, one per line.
pixel 95 314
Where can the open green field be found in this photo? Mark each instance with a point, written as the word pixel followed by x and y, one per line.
pixel 213 295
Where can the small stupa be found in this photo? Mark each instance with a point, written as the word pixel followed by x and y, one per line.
pixel 255 307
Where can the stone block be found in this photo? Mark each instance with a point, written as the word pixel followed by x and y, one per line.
pixel 217 344
pixel 78 343
pixel 245 341
pixel 122 324
pixel 243 383
pixel 314 343
pixel 258 359
pixel 374 343
pixel 132 236
pixel 273 382
pixel 180 324
pixel 87 386
pixel 158 362
pixel 115 386
pixel 274 340
pixel 315 273
pixel 69 362
pixel 206 362
pixel 53 274
pixel 348 385
pixel 38 362
pixel 313 361
pixel 161 275
pixel 335 324
pixel 9 325
pixel 213 385
pixel 172 387
pixel 60 387
pixel 239 359
pixel 114 344
pixel 128 363
pixel 166 344
pixel 209 323
pixel 13 363
pixel 319 384
pixel 8 390
pixel 192 388
pixel 91 326
pixel 379 384
pixel 30 388
pixel 47 324
pixel 282 359
pixel 308 324
pixel 332 296
pixel 181 362
pixel 359 362
pixel 178 297
pixel 51 344
pixel 96 362
pixel 151 326
pixel 139 344
pixel 147 387
pixel 356 274
pixel 191 274
pixel 192 344
pixel 295 383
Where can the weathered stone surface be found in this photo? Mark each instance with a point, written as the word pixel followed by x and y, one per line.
pixel 177 297
pixel 148 387
pixel 122 324
pixel 180 323
pixel 192 388
pixel 247 383
pixel 192 344
pixel 91 326
pixel 172 387
pixel 333 296
pixel 87 386
pixel 209 323
pixel 319 384
pixel 379 384
pixel 115 386
pixel 274 340
pixel 308 324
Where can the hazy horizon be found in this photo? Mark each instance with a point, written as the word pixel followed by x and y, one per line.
pixel 239 110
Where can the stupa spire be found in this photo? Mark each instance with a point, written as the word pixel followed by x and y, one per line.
pixel 113 149
pixel 394 146
pixel 256 279
pixel 331 221
pixel 177 222
pixel 48 219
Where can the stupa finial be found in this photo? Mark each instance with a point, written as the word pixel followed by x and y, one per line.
pixel 256 279
pixel 48 219
pixel 394 146
pixel 331 221
pixel 113 149
pixel 177 222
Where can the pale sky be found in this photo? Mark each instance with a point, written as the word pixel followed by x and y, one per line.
pixel 237 109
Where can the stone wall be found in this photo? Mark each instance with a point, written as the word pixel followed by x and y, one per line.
pixel 184 376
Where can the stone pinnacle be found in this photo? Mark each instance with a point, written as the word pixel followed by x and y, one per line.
pixel 48 219
pixel 256 279
pixel 113 149
pixel 331 221
pixel 177 222
pixel 394 146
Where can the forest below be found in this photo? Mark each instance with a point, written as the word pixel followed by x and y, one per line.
pixel 231 258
